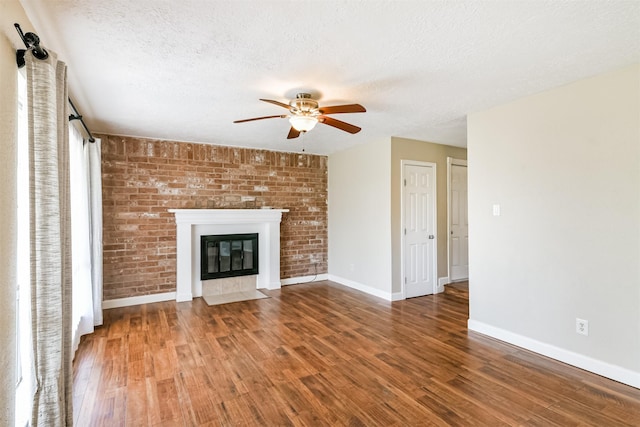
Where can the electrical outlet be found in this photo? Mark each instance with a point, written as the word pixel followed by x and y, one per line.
pixel 352 267
pixel 582 326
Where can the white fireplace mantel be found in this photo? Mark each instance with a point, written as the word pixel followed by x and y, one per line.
pixel 193 223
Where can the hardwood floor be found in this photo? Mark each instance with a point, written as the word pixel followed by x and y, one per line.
pixel 322 354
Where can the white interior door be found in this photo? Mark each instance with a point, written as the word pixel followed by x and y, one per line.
pixel 419 222
pixel 459 225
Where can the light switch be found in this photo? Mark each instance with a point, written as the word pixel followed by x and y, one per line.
pixel 496 210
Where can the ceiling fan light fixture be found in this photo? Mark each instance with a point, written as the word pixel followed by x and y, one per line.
pixel 303 123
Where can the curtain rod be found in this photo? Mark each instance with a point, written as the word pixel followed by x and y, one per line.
pixel 32 41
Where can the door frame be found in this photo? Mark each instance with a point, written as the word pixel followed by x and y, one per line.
pixel 452 161
pixel 404 163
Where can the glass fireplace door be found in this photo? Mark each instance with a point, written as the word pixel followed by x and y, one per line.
pixel 228 255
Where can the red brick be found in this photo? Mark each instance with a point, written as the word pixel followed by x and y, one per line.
pixel 143 178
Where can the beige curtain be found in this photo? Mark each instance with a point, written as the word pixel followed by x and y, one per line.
pixel 50 240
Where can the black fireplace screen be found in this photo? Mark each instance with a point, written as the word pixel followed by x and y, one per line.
pixel 228 255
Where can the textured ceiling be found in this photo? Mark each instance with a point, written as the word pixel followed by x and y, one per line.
pixel 185 70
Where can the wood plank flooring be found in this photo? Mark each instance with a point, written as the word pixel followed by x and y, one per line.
pixel 322 354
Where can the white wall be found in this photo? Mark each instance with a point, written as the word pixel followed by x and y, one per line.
pixel 360 217
pixel 564 165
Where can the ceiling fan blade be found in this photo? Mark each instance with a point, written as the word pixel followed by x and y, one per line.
pixel 282 116
pixel 293 133
pixel 278 103
pixel 349 108
pixel 339 124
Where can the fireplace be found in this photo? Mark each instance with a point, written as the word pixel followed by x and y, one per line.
pixel 191 224
pixel 228 255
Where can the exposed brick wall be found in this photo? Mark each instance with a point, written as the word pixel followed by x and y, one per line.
pixel 142 178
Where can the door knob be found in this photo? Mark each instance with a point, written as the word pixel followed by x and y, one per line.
pixel 431 236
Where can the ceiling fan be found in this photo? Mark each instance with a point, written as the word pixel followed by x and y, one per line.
pixel 305 113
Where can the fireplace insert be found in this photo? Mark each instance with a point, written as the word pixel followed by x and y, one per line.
pixel 228 255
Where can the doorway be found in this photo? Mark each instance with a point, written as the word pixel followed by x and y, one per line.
pixel 419 239
pixel 458 235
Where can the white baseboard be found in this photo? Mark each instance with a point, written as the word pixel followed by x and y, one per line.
pixel 441 282
pixel 143 299
pixel 363 288
pixel 397 296
pixel 599 367
pixel 304 279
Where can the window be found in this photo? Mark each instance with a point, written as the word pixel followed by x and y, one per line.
pixel 24 387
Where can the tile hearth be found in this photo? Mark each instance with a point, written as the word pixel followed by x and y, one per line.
pixel 233 297
pixel 230 289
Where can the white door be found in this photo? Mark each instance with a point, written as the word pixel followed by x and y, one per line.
pixel 459 225
pixel 419 248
